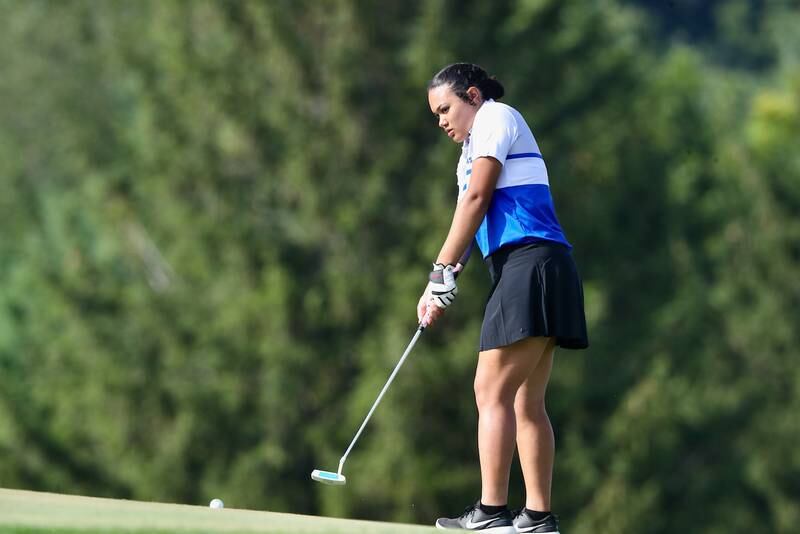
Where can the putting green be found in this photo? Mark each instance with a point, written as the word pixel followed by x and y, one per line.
pixel 34 512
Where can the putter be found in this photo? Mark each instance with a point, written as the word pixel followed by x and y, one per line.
pixel 337 478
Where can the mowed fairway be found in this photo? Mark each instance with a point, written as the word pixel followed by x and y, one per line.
pixel 33 512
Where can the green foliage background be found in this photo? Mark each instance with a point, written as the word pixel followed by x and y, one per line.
pixel 217 217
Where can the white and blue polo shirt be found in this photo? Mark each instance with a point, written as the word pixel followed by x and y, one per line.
pixel 521 210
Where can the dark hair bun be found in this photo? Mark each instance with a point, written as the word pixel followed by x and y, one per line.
pixel 462 76
pixel 491 88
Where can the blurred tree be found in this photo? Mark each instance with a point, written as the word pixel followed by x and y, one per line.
pixel 219 215
pixel 729 32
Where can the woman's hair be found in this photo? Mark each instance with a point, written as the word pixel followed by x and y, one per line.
pixel 462 76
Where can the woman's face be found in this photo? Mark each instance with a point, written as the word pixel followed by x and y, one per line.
pixel 455 116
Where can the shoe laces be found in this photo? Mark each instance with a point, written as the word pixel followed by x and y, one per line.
pixel 468 511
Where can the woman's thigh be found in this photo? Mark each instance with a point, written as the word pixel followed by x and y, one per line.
pixel 531 393
pixel 501 371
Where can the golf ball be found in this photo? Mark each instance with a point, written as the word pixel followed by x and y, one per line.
pixel 216 503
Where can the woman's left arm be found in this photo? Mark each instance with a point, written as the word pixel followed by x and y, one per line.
pixel 470 210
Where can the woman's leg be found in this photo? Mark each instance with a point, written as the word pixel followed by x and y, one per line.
pixel 535 440
pixel 500 374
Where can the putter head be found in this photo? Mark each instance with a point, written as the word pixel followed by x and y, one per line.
pixel 327 477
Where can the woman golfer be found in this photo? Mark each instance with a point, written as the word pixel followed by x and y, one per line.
pixel 536 299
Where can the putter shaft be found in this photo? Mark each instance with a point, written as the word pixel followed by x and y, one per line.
pixel 380 395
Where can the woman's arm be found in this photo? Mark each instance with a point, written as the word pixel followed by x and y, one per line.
pixel 469 213
pixel 470 210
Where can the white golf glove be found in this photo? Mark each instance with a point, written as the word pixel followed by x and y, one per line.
pixel 443 285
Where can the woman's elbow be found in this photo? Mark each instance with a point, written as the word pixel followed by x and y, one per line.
pixel 479 200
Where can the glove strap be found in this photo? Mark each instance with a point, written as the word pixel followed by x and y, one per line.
pixel 439 272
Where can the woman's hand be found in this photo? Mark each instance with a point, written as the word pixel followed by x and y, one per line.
pixel 443 285
pixel 427 311
pixel 440 293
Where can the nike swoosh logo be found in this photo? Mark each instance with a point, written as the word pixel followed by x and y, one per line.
pixel 470 524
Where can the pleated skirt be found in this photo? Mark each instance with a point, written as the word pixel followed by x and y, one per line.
pixel 536 291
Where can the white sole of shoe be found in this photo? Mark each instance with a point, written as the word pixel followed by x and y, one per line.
pixel 493 530
pixel 499 530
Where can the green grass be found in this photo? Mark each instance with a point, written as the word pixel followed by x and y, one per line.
pixel 31 512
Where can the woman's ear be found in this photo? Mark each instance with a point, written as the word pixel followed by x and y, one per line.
pixel 474 95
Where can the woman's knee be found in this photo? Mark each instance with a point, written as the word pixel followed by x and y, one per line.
pixel 531 408
pixel 490 392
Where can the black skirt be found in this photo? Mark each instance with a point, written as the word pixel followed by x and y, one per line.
pixel 536 291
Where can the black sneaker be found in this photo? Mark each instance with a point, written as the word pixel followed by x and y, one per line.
pixel 525 524
pixel 474 519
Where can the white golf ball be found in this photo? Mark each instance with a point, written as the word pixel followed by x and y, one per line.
pixel 216 503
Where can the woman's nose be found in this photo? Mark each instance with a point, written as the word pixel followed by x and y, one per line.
pixel 442 122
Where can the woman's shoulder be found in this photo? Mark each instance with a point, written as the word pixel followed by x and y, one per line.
pixel 493 113
pixel 493 107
